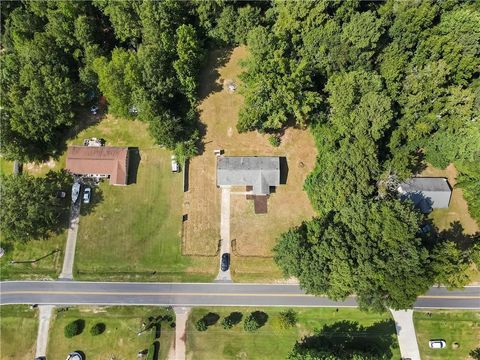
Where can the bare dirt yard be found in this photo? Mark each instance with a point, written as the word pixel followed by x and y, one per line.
pixel 253 235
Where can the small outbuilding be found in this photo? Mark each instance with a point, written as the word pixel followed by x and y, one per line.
pixel 259 172
pixel 427 193
pixel 99 161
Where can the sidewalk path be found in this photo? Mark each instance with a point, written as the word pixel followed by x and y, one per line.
pixel 406 334
pixel 45 313
pixel 224 276
pixel 67 270
pixel 181 317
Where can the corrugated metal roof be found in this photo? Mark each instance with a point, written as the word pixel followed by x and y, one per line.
pixel 427 193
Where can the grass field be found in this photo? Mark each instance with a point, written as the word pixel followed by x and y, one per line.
pixel 254 235
pixel 462 327
pixel 271 342
pixel 119 341
pixel 18 332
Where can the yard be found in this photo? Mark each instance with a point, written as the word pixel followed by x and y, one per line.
pixel 462 327
pixel 272 342
pixel 253 236
pixel 134 232
pixel 18 332
pixel 119 340
pixel 458 209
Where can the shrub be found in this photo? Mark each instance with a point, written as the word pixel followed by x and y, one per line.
pixel 227 323
pixel 201 325
pixel 97 329
pixel 251 323
pixel 74 328
pixel 288 319
pixel 274 140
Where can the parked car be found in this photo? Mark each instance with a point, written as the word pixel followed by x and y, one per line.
pixel 175 166
pixel 437 344
pixel 86 195
pixel 225 263
pixel 61 194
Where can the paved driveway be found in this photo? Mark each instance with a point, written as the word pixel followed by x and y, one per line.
pixel 67 269
pixel 224 233
pixel 407 339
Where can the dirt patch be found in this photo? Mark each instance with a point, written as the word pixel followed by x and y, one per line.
pixel 288 205
pixel 458 209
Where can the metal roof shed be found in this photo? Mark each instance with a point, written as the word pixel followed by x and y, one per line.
pixel 427 193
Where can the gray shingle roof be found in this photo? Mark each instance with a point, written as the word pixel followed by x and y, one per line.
pixel 261 172
pixel 427 193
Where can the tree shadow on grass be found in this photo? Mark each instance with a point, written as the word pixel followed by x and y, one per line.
pixel 235 317
pixel 346 337
pixel 211 318
pixel 209 75
pixel 261 317
pixel 455 233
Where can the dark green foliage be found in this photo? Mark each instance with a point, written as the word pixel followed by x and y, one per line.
pixel 344 253
pixel 469 181
pixel 450 265
pixel 274 140
pixel 255 321
pixel 74 328
pixel 288 319
pixel 201 325
pixel 30 208
pixel 97 329
pixel 231 320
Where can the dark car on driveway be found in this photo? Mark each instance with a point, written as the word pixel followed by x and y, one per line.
pixel 225 264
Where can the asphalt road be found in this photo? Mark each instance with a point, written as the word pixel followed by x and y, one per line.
pixel 201 294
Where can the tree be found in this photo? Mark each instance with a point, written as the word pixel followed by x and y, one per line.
pixel 251 323
pixel 227 323
pixel 30 208
pixel 74 328
pixel 201 325
pixel 450 265
pixel 118 79
pixel 288 319
pixel 189 54
pixel 343 253
pixel 97 329
pixel 475 353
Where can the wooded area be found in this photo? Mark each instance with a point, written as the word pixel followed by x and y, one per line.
pixel 383 86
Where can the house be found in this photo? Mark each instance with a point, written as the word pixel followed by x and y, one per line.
pixel 258 172
pixel 99 161
pixel 427 193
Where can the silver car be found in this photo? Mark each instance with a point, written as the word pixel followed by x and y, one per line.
pixel 86 195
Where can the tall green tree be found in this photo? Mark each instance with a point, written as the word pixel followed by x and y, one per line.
pixel 30 208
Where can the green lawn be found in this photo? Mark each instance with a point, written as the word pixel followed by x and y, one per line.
pixel 134 232
pixel 130 232
pixel 18 332
pixel 49 263
pixel 120 339
pixel 462 327
pixel 271 342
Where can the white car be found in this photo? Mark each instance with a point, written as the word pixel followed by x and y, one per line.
pixel 175 166
pixel 437 344
pixel 86 195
